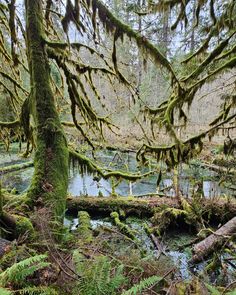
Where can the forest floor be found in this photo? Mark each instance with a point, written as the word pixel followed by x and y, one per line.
pixel 112 245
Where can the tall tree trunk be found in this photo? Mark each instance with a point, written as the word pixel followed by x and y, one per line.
pixel 165 32
pixel 192 38
pixel 50 180
pixel 140 63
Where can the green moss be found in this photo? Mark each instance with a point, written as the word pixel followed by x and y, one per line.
pixel 124 228
pixel 166 217
pixel 105 206
pixel 24 227
pixel 114 25
pixel 18 203
pixel 84 228
pixel 89 165
pixel 15 167
pixel 50 180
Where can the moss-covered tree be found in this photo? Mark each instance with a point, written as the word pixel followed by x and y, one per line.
pixel 50 178
pixel 48 46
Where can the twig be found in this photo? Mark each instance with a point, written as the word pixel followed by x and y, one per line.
pixel 229 286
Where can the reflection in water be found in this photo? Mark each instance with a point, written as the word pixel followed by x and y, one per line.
pixel 86 185
pixel 211 189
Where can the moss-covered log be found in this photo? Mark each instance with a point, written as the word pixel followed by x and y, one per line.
pixel 16 167
pixel 85 227
pixel 105 206
pixel 124 228
pixel 50 180
pixel 221 210
pixel 14 226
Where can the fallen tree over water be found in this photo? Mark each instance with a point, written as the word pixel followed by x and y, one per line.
pixel 16 167
pixel 107 205
pixel 223 209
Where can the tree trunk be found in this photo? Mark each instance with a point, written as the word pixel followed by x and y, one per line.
pixel 50 180
pixel 165 32
pixel 192 37
pixel 215 240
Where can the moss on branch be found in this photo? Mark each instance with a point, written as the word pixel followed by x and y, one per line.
pixel 113 25
pixel 16 167
pixel 94 168
pixel 124 228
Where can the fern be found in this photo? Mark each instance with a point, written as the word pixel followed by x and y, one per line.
pixel 214 291
pixel 4 291
pixel 30 291
pixel 37 291
pixel 21 270
pixel 97 277
pixel 142 285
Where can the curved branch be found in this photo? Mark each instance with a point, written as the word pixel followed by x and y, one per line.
pixel 93 168
pixel 12 80
pixel 12 124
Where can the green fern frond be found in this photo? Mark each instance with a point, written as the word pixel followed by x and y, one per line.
pixel 79 262
pixel 142 285
pixel 97 276
pixel 38 291
pixel 19 271
pixel 213 290
pixel 4 291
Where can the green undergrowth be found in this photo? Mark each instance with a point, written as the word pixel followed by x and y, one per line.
pixel 111 264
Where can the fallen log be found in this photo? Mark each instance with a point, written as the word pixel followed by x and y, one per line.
pixel 84 228
pixel 107 205
pixel 123 228
pixel 216 168
pixel 214 241
pixel 220 210
pixel 16 167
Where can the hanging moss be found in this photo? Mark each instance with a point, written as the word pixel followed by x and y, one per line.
pixel 212 55
pixel 114 25
pixel 89 165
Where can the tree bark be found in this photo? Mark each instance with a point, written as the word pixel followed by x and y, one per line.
pixel 215 240
pixel 50 180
